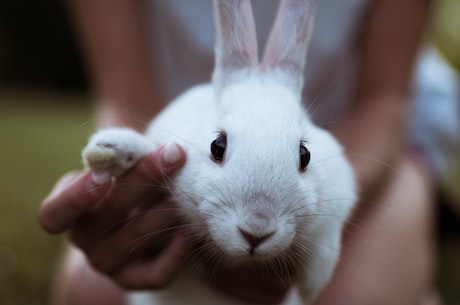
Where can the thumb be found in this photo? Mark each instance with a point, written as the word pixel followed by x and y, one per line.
pixel 162 162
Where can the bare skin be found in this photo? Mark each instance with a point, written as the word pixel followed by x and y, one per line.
pixel 387 244
pixel 401 221
pixel 389 255
pixel 106 218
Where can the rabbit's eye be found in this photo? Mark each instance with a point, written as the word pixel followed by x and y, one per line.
pixel 218 148
pixel 304 157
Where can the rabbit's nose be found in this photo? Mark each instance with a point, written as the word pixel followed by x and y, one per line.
pixel 255 240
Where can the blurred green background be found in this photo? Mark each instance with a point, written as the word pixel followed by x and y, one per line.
pixel 46 117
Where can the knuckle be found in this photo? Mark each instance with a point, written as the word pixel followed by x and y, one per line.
pixel 159 281
pixel 138 228
pixel 100 263
pixel 99 260
pixel 154 282
pixel 127 283
pixel 78 240
pixel 149 169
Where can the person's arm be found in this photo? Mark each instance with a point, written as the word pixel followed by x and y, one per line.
pixel 123 104
pixel 387 253
pixel 376 137
pixel 115 43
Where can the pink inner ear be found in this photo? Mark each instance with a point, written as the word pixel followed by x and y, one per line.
pixel 236 42
pixel 288 42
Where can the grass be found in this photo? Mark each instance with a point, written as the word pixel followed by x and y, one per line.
pixel 446 32
pixel 41 136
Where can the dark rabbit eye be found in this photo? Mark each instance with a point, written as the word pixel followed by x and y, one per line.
pixel 218 148
pixel 304 154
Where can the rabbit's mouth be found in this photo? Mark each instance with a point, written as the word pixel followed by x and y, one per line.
pixel 249 248
pixel 284 264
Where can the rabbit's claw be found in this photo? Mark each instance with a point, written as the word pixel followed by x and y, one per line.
pixel 105 156
pixel 114 150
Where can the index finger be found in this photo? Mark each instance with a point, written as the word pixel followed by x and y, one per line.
pixel 69 201
pixel 146 181
pixel 72 196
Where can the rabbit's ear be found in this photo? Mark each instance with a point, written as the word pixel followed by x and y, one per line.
pixel 236 43
pixel 288 42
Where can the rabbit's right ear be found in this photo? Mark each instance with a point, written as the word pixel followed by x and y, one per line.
pixel 287 45
pixel 236 43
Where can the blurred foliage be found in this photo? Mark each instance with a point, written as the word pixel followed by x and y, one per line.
pixel 447 30
pixel 452 189
pixel 41 139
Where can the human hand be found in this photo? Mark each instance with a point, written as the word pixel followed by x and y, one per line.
pixel 121 226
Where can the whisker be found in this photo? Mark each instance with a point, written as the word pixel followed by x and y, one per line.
pixel 135 242
pixel 122 224
pixel 182 139
pixel 320 96
pixel 324 102
pixel 378 161
pixel 335 122
pixel 87 122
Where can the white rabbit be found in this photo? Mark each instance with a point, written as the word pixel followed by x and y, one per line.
pixel 262 184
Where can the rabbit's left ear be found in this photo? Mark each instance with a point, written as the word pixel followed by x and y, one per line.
pixel 236 43
pixel 288 42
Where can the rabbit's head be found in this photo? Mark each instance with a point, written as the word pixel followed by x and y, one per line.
pixel 272 182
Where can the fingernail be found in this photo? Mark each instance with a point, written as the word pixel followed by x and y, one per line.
pixel 171 154
pixel 100 178
pixel 97 183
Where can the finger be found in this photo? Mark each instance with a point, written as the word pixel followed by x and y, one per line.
pixel 160 272
pixel 143 183
pixel 70 201
pixel 143 232
pixel 64 182
pixel 72 196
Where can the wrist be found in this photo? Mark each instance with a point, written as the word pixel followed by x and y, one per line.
pixel 375 141
pixel 111 115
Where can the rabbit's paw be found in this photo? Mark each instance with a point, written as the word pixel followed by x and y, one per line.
pixel 115 151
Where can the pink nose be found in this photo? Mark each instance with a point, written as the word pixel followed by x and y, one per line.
pixel 255 240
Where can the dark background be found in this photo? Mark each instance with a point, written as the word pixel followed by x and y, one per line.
pixel 38 48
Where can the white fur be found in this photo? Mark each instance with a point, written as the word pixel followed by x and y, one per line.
pixel 115 150
pixel 258 187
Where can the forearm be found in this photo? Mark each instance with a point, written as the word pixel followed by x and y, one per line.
pixel 115 45
pixel 375 139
